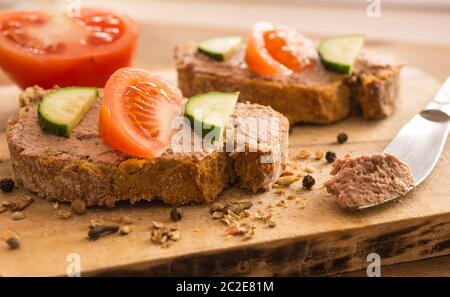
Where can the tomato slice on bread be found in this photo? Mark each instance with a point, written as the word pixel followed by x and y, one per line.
pixel 276 50
pixel 137 112
pixel 39 48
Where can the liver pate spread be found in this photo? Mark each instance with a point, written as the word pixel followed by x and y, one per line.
pixel 313 75
pixel 368 179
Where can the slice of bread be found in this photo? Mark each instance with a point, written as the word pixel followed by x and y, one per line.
pixel 315 95
pixel 84 167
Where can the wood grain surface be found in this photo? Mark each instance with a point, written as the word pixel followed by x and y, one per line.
pixel 318 239
pixel 422 44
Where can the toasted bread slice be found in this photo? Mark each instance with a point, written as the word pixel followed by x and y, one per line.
pixel 315 95
pixel 84 167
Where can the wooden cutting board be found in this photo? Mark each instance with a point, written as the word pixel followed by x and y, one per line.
pixel 317 239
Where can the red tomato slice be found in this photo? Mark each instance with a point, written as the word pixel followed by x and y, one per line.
pixel 37 48
pixel 137 112
pixel 275 50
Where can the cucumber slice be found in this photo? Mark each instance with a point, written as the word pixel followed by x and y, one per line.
pixel 220 48
pixel 61 110
pixel 210 111
pixel 338 53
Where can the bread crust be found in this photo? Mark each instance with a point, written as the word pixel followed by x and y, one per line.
pixel 316 96
pixel 84 167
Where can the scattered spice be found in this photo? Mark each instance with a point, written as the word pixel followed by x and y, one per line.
pixel 157 225
pixel 11 239
pixel 176 214
pixel 230 213
pixel 308 182
pixel 232 230
pixel 301 204
pixel 246 203
pixel 308 169
pixel 233 216
pixel 260 214
pixel 17 216
pixel 226 222
pixel 304 154
pixel 244 229
pixel 125 230
pixel 99 231
pixel 218 214
pixel 249 233
pixel 174 235
pixel 20 204
pixel 161 234
pixel 7 185
pixel 287 180
pixel 234 208
pixel 282 203
pixel 264 217
pixel 13 206
pixel 287 172
pixel 291 197
pixel 319 155
pixel 342 137
pixel 330 156
pixel 64 214
pixel 78 206
pixel 280 192
pixel 217 207
pixel 245 213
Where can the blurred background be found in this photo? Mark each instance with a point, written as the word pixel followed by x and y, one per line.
pixel 418 31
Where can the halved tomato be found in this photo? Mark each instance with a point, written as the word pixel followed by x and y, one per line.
pixel 38 48
pixel 276 50
pixel 137 112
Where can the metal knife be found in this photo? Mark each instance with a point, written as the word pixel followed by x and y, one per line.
pixel 420 142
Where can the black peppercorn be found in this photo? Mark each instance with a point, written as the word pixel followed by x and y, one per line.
pixel 308 182
pixel 342 137
pixel 13 242
pixel 7 185
pixel 176 214
pixel 330 156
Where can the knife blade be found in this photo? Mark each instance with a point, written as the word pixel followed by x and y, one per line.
pixel 420 142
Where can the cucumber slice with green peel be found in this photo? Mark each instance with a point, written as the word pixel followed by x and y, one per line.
pixel 338 53
pixel 220 48
pixel 210 111
pixel 61 110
